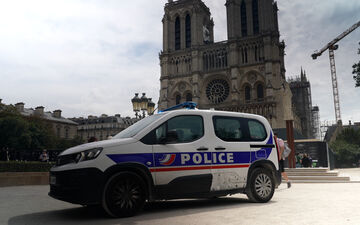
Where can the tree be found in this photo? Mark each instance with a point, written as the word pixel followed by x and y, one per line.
pixel 14 133
pixel 347 147
pixel 356 72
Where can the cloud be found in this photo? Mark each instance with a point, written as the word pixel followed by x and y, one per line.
pixel 91 56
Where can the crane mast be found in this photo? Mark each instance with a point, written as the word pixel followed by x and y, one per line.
pixel 332 47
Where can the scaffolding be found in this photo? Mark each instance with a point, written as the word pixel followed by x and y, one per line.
pixel 301 90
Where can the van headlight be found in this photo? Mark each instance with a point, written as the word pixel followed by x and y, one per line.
pixel 85 155
pixel 88 154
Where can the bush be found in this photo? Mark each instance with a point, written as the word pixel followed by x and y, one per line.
pixel 346 155
pixel 21 166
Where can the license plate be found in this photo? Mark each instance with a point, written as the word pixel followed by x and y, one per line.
pixel 52 180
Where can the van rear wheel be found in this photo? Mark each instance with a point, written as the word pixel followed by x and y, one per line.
pixel 261 186
pixel 124 195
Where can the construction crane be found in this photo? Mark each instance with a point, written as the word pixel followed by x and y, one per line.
pixel 332 46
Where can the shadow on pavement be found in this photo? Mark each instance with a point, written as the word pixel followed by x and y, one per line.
pixel 154 210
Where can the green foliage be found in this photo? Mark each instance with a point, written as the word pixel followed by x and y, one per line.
pixel 14 133
pixel 29 133
pixel 15 166
pixel 356 72
pixel 347 148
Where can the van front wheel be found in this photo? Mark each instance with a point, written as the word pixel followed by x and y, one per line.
pixel 124 195
pixel 261 186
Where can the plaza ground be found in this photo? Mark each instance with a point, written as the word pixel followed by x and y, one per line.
pixel 336 203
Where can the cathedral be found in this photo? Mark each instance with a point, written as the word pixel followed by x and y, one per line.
pixel 245 73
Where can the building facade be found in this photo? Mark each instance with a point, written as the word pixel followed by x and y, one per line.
pixel 245 73
pixel 103 127
pixel 62 127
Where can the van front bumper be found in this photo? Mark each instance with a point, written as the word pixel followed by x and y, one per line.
pixel 80 186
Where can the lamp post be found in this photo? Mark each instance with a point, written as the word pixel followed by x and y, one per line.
pixel 144 104
pixel 151 107
pixel 136 104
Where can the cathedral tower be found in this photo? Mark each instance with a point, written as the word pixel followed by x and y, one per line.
pixel 245 73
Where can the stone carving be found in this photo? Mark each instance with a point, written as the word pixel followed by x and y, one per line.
pixel 252 78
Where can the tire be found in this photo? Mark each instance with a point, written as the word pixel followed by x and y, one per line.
pixel 261 186
pixel 124 195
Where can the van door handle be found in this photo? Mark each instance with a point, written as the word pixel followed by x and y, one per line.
pixel 220 148
pixel 202 149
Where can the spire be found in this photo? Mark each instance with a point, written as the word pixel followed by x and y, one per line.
pixel 302 76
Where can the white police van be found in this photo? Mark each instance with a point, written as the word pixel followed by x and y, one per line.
pixel 185 153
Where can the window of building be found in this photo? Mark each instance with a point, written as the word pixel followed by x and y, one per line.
pixel 247 93
pixel 177 33
pixel 188 31
pixel 217 91
pixel 177 99
pixel 243 19
pixel 188 97
pixel 67 133
pixel 260 92
pixel 58 130
pixel 255 14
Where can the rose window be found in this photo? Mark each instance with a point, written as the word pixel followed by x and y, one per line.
pixel 217 91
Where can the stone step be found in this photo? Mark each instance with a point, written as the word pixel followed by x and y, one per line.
pixel 327 174
pixel 319 181
pixel 306 169
pixel 319 178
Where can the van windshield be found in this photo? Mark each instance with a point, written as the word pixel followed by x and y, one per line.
pixel 137 127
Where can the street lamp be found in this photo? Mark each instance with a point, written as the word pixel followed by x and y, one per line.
pixel 144 104
pixel 136 104
pixel 151 107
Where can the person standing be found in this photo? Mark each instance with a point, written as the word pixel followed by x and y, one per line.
pixel 44 156
pixel 281 146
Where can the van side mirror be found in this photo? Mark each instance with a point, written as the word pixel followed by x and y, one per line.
pixel 171 137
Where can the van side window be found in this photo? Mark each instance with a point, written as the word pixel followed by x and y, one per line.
pixel 257 130
pixel 188 128
pixel 228 128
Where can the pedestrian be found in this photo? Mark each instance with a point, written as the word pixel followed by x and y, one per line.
pixel 44 156
pixel 281 146
pixel 306 162
pixel 298 160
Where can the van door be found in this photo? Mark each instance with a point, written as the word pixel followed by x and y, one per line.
pixel 182 158
pixel 231 153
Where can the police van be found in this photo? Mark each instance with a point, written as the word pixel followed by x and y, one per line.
pixel 183 153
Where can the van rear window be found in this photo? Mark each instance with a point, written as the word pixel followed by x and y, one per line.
pixel 238 129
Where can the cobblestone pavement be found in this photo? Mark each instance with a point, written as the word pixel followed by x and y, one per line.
pixel 302 204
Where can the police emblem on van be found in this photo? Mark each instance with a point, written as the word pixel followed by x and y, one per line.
pixel 167 159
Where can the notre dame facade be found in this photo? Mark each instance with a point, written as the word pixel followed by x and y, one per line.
pixel 245 73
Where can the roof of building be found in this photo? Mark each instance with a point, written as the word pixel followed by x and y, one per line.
pixel 105 119
pixel 47 116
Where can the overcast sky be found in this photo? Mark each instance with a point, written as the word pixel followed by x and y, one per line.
pixel 88 57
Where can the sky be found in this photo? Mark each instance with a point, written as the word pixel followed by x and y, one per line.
pixel 89 57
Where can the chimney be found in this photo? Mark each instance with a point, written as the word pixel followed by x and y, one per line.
pixel 39 110
pixel 57 113
pixel 117 115
pixel 20 106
